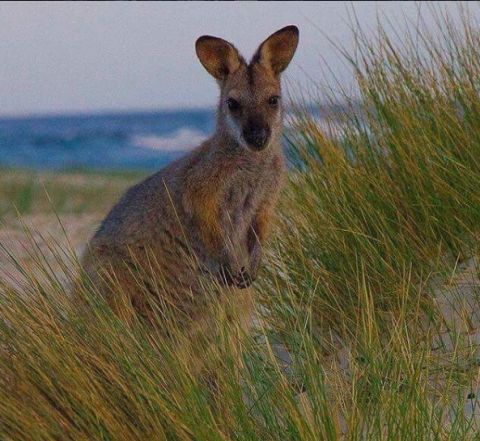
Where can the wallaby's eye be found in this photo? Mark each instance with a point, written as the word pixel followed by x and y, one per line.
pixel 274 100
pixel 233 105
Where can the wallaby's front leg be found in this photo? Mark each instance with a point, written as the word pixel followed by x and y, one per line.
pixel 203 204
pixel 223 263
pixel 246 273
pixel 256 237
pixel 254 250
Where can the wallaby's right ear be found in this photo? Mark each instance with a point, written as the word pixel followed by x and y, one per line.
pixel 276 52
pixel 218 56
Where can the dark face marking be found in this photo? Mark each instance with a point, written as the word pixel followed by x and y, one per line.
pixel 250 75
pixel 247 103
pixel 256 132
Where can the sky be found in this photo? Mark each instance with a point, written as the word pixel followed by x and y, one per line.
pixel 117 56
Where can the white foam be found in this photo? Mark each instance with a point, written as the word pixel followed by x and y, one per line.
pixel 183 139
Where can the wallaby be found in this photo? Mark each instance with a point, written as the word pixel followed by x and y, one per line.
pixel 207 214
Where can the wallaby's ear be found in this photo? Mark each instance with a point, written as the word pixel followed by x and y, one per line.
pixel 276 52
pixel 218 56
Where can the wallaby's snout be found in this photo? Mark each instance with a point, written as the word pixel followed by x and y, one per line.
pixel 256 133
pixel 250 108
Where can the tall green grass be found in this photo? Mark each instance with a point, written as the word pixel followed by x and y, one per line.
pixel 396 190
pixel 377 229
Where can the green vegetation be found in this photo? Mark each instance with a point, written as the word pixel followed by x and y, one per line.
pixel 29 192
pixel 371 284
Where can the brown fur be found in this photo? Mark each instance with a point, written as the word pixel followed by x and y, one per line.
pixel 204 217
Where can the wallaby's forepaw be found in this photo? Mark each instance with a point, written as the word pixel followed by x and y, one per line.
pixel 241 280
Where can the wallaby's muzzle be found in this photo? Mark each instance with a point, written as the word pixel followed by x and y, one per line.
pixel 256 135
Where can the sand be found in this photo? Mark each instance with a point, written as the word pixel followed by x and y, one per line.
pixel 69 232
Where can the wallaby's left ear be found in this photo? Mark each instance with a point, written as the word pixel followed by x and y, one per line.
pixel 276 52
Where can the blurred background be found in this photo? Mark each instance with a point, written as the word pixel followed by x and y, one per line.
pixel 118 85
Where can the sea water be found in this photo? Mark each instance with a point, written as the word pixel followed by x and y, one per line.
pixel 135 141
pixel 139 141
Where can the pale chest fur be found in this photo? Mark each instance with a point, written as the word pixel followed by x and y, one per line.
pixel 243 196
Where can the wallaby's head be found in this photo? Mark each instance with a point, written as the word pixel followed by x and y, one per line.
pixel 250 108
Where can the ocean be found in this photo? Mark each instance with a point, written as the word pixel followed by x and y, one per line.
pixel 136 141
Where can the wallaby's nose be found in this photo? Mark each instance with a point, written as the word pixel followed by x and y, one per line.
pixel 256 136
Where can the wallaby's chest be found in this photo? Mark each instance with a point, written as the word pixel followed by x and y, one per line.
pixel 243 195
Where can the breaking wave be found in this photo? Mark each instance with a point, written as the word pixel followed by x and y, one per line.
pixel 183 139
